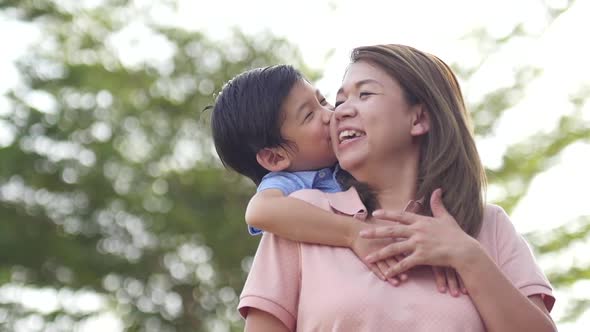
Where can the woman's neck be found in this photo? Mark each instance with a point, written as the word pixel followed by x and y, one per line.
pixel 394 183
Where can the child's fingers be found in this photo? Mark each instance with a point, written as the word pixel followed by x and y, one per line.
pixel 403 276
pixel 373 267
pixel 452 281
pixel 461 284
pixel 440 279
pixel 391 262
pixel 383 267
pixel 404 265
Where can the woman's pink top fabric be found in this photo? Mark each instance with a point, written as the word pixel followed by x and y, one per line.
pixel 320 288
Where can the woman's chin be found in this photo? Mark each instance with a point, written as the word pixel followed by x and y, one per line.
pixel 351 164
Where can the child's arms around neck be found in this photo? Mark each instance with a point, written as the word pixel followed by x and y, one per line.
pixel 297 220
pixel 294 219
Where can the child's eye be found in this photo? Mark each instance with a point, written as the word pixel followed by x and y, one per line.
pixel 338 103
pixel 324 102
pixel 308 116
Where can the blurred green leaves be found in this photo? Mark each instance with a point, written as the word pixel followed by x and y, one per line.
pixel 109 183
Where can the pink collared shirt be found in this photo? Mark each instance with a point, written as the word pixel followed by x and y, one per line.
pixel 320 288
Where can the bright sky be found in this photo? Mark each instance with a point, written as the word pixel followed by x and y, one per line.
pixel 555 196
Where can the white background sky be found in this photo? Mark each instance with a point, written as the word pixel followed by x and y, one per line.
pixel 555 197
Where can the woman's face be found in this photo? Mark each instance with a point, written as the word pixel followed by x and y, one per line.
pixel 372 123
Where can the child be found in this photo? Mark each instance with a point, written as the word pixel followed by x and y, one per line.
pixel 271 125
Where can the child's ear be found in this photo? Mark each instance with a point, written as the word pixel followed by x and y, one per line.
pixel 273 159
pixel 420 121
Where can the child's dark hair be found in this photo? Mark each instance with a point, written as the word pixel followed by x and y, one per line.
pixel 247 117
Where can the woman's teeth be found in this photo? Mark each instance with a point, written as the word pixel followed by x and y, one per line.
pixel 349 134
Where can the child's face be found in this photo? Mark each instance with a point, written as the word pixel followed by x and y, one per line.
pixel 306 123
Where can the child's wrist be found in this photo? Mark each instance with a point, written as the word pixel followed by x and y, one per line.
pixel 353 233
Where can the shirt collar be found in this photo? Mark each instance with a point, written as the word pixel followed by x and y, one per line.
pixel 349 203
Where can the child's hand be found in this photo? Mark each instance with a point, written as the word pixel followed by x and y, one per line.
pixel 362 247
pixel 447 278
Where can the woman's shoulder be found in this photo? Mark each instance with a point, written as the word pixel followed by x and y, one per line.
pixel 494 215
pixel 496 225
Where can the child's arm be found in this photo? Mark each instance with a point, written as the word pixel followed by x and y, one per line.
pixel 297 220
pixel 294 219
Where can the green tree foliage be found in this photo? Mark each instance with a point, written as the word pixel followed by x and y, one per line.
pixel 109 184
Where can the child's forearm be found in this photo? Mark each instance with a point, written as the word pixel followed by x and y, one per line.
pixel 297 220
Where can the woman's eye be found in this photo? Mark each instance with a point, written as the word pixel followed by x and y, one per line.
pixel 308 116
pixel 323 101
pixel 364 94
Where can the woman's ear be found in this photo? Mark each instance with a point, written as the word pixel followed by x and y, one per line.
pixel 273 159
pixel 420 121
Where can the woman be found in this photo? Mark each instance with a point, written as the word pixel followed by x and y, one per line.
pixel 400 128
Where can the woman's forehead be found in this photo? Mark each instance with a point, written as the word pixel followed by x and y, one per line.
pixel 364 73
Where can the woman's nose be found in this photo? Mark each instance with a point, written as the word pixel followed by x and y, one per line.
pixel 344 110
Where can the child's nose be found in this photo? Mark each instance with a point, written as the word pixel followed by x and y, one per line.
pixel 327 115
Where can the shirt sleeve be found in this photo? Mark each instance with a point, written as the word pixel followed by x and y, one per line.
pixel 284 181
pixel 518 263
pixel 274 280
